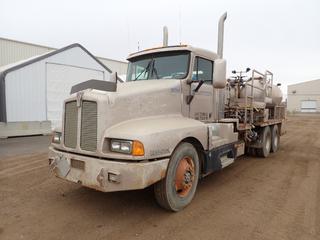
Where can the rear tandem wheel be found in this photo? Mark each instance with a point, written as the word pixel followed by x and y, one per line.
pixel 266 141
pixel 275 138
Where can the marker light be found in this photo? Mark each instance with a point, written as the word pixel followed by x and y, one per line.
pixel 56 137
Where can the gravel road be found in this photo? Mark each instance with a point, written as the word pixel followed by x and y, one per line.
pixel 273 198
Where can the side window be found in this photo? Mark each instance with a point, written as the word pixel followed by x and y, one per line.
pixel 202 70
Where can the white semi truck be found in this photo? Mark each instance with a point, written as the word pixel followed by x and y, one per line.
pixel 175 120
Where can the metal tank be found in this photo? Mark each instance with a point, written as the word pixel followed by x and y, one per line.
pixel 262 91
pixel 276 95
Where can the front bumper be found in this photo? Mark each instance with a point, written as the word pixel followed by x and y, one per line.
pixel 106 175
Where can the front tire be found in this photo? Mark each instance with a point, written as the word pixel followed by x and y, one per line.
pixel 177 189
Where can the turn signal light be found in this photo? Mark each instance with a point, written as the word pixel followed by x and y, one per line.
pixel 137 148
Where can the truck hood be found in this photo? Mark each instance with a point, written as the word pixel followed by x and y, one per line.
pixel 150 99
pixel 136 100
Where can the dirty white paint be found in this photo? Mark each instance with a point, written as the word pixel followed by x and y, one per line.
pixel 136 175
pixel 36 92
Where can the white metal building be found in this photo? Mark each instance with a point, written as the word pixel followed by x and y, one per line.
pixel 12 51
pixel 32 91
pixel 304 97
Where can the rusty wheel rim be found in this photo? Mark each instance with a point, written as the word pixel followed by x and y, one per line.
pixel 184 176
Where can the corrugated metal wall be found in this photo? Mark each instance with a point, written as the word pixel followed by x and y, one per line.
pixel 13 51
pixel 306 91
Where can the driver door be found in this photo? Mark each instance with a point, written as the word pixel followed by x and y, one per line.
pixel 201 105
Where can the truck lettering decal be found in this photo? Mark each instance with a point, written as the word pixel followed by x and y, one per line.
pixel 201 116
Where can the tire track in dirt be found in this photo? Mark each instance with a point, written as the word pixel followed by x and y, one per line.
pixel 17 160
pixel 273 198
pixel 14 172
pixel 20 166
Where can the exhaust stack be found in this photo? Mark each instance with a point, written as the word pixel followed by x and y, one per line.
pixel 219 94
pixel 165 36
pixel 220 34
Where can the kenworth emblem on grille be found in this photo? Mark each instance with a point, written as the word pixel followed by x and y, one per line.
pixel 79 98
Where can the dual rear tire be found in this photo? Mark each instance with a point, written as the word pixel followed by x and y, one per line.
pixel 270 140
pixel 275 134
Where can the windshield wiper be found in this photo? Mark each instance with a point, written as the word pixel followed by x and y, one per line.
pixel 154 70
pixel 145 70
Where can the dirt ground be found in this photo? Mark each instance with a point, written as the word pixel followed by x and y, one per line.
pixel 273 198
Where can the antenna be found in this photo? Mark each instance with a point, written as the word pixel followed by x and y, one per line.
pixel 179 25
pixel 128 30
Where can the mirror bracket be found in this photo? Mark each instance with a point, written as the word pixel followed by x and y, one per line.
pixel 190 97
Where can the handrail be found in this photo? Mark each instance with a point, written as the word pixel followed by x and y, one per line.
pixel 266 81
pixel 251 85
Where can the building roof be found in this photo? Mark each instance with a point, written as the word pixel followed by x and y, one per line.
pixel 20 64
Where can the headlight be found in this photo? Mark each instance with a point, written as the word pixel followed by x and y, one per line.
pixel 56 137
pixel 121 146
pixel 127 146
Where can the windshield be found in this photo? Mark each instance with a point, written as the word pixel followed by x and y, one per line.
pixel 164 65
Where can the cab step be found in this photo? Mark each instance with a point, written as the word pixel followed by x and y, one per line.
pixel 226 161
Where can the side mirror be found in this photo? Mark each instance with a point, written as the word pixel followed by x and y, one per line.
pixel 114 77
pixel 219 73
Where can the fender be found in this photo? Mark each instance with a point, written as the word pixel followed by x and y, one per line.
pixel 160 134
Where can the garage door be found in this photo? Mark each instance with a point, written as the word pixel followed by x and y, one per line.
pixel 60 78
pixel 309 106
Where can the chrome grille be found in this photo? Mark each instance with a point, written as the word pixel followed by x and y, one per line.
pixel 70 124
pixel 88 140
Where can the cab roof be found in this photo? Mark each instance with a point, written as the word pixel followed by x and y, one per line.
pixel 198 51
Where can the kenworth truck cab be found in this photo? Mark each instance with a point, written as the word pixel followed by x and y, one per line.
pixel 165 126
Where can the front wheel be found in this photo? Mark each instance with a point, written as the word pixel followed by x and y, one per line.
pixel 177 189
